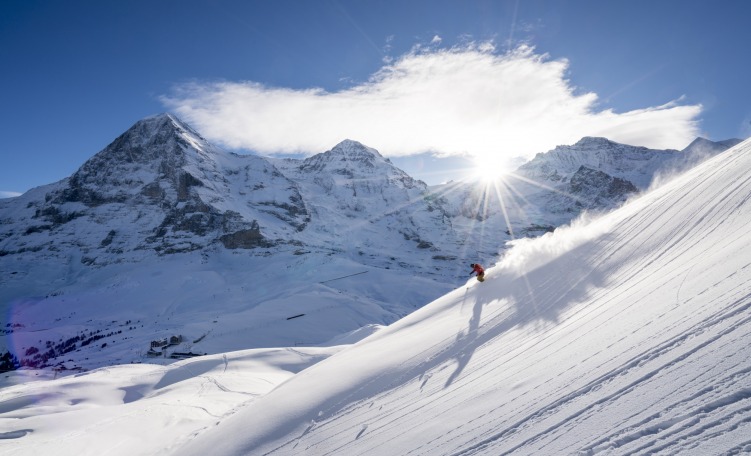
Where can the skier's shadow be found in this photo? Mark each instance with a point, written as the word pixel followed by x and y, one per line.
pixel 529 305
pixel 463 357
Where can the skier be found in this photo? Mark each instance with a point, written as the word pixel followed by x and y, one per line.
pixel 476 268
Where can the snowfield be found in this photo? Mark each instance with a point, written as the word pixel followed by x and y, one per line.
pixel 626 334
pixel 140 408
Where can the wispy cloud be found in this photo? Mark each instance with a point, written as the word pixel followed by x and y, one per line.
pixel 468 100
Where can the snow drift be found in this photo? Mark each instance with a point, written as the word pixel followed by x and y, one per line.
pixel 633 339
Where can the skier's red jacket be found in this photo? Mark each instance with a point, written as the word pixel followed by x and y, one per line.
pixel 478 269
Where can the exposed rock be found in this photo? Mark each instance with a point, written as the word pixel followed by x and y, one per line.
pixel 599 188
pixel 245 239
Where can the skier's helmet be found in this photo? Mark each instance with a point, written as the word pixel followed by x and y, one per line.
pixel 472 265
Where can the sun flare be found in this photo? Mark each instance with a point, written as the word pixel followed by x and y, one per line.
pixel 488 167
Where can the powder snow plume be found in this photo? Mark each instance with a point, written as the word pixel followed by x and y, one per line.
pixel 528 254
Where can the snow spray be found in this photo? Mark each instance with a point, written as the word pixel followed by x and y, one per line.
pixel 528 254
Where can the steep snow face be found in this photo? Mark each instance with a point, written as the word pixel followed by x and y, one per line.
pixel 626 335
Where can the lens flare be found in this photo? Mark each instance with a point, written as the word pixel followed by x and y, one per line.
pixel 489 167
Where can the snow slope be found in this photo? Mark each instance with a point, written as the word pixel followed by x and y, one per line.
pixel 137 409
pixel 628 335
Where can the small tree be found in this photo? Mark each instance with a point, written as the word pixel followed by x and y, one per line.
pixel 8 362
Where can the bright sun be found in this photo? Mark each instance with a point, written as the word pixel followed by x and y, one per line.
pixel 489 168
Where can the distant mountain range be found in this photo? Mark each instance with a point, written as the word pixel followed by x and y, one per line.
pixel 161 200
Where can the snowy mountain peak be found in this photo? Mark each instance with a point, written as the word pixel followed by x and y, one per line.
pixel 156 128
pixel 634 163
pixel 353 148
pixel 699 142
pixel 161 119
pixel 353 161
pixel 604 144
pixel 704 148
pixel 593 141
pixel 153 149
pixel 160 142
pixel 161 187
pixel 344 158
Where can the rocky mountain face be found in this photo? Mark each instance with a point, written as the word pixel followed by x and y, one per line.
pixel 599 174
pixel 638 165
pixel 367 208
pixel 158 187
pixel 598 189
pixel 635 164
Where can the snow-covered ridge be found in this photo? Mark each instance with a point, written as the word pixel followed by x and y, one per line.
pixel 635 164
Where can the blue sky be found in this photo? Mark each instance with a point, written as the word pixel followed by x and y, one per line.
pixel 461 80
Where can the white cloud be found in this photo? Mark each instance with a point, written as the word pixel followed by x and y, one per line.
pixel 6 194
pixel 447 101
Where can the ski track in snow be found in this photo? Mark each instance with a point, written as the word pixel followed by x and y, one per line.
pixel 386 400
pixel 577 395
